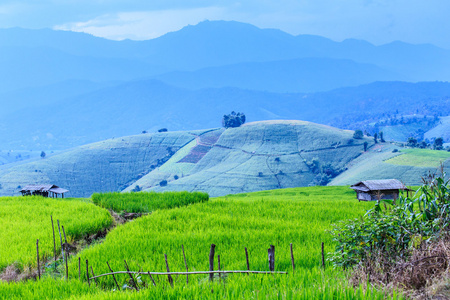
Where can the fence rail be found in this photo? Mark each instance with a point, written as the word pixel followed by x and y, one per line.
pixel 189 273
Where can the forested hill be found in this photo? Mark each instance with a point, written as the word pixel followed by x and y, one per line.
pixel 149 105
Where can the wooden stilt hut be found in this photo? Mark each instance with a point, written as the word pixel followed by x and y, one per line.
pixel 45 190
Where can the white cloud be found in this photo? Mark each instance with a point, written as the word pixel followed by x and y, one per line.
pixel 142 25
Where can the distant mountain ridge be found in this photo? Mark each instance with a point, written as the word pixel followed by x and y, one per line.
pixel 150 105
pixel 189 78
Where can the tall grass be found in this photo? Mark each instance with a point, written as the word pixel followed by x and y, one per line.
pixel 23 220
pixel 142 202
pixel 256 220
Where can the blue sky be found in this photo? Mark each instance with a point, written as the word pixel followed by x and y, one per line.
pixel 377 21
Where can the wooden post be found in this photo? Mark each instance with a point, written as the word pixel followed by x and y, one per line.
pixel 79 268
pixel 60 239
pixel 292 258
pixel 246 258
pixel 169 277
pixel 38 266
pixel 114 277
pixel 66 254
pixel 93 275
pixel 131 276
pixel 211 261
pixel 323 257
pixel 218 265
pixel 54 241
pixel 154 283
pixel 185 263
pixel 271 252
pixel 87 272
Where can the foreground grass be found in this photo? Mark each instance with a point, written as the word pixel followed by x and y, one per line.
pixel 23 220
pixel 255 220
pixel 301 285
pixel 420 158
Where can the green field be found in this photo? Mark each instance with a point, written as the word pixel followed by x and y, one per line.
pixel 420 158
pixel 300 216
pixel 23 220
pixel 145 202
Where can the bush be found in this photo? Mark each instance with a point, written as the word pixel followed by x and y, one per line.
pixel 392 228
pixel 358 134
pixel 163 183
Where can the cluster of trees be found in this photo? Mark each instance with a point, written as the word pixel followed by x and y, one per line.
pixel 233 120
pixel 438 143
pixel 358 134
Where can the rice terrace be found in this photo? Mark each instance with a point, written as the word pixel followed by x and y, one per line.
pixel 224 149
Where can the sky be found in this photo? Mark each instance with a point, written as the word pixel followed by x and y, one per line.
pixel 377 21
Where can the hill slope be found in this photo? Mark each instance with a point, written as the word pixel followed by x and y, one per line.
pixel 257 156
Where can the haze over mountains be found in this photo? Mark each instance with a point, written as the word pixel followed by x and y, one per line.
pixel 62 89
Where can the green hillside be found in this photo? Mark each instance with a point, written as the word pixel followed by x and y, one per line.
pixel 441 130
pixel 110 165
pixel 407 165
pixel 256 156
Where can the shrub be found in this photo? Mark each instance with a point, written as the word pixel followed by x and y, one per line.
pixel 393 227
pixel 358 134
pixel 163 182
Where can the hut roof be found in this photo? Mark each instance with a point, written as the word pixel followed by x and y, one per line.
pixel 44 188
pixel 379 185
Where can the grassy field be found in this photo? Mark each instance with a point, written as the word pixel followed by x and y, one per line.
pixel 300 216
pixel 420 158
pixel 23 220
pixel 144 202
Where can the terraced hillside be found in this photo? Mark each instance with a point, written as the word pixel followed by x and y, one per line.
pixel 110 165
pixel 408 165
pixel 256 156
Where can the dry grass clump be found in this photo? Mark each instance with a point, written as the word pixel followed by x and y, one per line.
pixel 13 273
pixel 425 274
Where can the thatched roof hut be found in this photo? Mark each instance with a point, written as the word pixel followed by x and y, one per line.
pixel 45 190
pixel 370 190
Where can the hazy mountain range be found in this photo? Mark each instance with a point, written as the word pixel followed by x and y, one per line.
pixel 61 89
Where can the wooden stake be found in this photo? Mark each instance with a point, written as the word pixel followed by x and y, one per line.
pixel 185 263
pixel 54 240
pixel 271 252
pixel 292 258
pixel 323 257
pixel 60 239
pixel 211 261
pixel 114 277
pixel 87 272
pixel 79 268
pixel 37 251
pixel 131 276
pixel 66 254
pixel 246 258
pixel 93 276
pixel 154 283
pixel 169 277
pixel 218 265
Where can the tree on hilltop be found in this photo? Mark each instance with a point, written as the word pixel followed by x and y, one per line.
pixel 358 134
pixel 233 120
